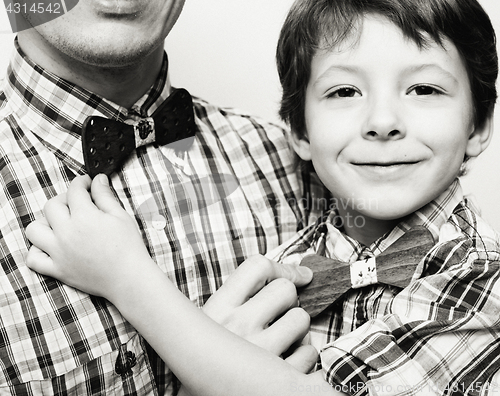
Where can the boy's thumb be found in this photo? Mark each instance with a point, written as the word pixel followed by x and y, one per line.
pixel 103 196
pixel 103 179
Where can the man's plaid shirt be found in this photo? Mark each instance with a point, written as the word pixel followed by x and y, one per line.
pixel 202 212
pixel 438 336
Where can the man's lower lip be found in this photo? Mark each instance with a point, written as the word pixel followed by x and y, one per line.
pixel 118 7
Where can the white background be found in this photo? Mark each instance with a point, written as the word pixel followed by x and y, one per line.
pixel 223 51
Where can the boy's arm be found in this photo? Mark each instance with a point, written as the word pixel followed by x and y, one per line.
pixel 101 252
pixel 441 334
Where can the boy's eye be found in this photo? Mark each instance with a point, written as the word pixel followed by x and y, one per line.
pixel 424 90
pixel 344 92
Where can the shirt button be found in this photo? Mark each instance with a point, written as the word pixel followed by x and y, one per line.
pixel 159 222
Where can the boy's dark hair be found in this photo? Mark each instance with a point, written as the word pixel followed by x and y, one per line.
pixel 312 25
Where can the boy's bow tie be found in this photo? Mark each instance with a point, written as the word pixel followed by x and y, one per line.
pixel 108 143
pixel 395 266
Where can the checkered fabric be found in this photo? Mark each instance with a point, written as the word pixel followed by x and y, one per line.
pixel 438 336
pixel 201 212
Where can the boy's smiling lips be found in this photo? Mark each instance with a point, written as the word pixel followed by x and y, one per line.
pixel 393 168
pixel 387 156
pixel 385 163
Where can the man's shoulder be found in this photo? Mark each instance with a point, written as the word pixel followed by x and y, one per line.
pixel 223 119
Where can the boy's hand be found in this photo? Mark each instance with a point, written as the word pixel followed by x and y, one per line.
pixel 259 303
pixel 92 245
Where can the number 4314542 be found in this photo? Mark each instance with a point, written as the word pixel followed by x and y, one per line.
pixel 35 8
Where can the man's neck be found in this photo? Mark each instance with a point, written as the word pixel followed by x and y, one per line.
pixel 121 85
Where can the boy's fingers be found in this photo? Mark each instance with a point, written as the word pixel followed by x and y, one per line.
pixel 248 278
pixel 103 196
pixel 78 195
pixel 56 210
pixel 40 261
pixel 40 234
pixel 252 275
pixel 303 358
pixel 271 302
pixel 299 276
pixel 292 327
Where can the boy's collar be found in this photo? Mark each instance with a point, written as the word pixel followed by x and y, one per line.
pixel 432 216
pixel 436 213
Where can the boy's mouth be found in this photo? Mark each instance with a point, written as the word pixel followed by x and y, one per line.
pixel 386 164
pixel 386 169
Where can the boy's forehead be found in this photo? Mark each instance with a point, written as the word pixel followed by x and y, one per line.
pixel 379 47
pixel 334 36
pixel 331 40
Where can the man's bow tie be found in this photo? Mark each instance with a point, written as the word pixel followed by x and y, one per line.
pixel 395 266
pixel 108 143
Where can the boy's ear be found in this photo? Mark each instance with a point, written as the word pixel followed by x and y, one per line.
pixel 480 138
pixel 301 146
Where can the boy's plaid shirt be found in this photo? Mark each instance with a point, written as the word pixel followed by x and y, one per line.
pixel 438 336
pixel 201 213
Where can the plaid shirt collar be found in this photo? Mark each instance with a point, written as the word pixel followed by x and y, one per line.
pixel 54 109
pixel 432 216
pixel 326 239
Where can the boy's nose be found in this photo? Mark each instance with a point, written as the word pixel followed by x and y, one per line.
pixel 383 121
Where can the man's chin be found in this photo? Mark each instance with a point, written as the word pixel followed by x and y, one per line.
pixel 104 44
pixel 107 53
pixel 114 58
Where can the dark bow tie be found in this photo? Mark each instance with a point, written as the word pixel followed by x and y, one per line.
pixel 108 143
pixel 395 266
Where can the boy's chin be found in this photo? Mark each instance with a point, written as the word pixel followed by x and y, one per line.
pixel 389 213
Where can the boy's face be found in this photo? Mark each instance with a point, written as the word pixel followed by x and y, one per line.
pixel 388 124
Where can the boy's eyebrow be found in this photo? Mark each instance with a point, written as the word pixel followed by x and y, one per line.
pixel 333 68
pixel 435 66
pixel 409 70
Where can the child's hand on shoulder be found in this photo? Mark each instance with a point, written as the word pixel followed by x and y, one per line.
pixel 87 240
